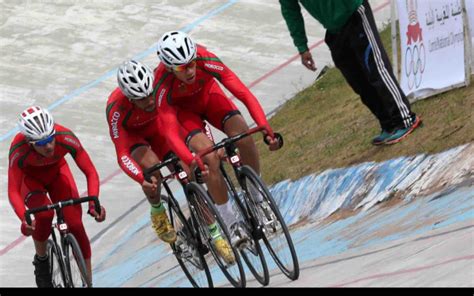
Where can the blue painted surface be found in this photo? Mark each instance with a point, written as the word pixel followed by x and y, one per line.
pixel 118 275
pixel 315 197
pixel 124 239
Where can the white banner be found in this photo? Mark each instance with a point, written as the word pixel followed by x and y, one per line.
pixel 432 45
pixel 470 17
pixel 470 14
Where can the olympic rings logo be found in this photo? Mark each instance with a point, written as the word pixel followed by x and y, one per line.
pixel 415 62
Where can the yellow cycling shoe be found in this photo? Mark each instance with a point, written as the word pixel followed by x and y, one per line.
pixel 162 226
pixel 224 250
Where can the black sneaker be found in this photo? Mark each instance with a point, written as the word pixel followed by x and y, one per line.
pixel 42 273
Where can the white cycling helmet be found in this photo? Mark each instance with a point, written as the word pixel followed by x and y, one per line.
pixel 135 80
pixel 36 123
pixel 176 48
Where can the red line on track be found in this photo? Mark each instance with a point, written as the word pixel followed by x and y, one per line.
pixel 402 272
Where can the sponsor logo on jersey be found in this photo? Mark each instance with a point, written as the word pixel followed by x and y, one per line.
pixel 214 67
pixel 160 98
pixel 129 165
pixel 209 132
pixel 15 156
pixel 114 123
pixel 72 141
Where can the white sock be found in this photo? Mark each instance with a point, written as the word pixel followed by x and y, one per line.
pixel 259 197
pixel 227 213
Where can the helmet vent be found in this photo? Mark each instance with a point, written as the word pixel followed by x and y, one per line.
pixel 41 121
pixel 171 53
pixel 181 51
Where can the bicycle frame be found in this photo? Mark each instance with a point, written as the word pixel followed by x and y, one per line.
pixel 233 158
pixel 178 173
pixel 199 213
pixel 258 229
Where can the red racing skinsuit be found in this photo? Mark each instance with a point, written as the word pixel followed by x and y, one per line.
pixel 32 176
pixel 130 127
pixel 190 105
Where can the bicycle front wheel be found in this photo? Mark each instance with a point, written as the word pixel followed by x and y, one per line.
pixel 275 232
pixel 75 264
pixel 205 213
pixel 255 260
pixel 56 264
pixel 252 252
pixel 189 250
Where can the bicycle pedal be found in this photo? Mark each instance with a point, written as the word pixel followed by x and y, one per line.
pixel 268 223
pixel 203 249
pixel 257 233
pixel 242 244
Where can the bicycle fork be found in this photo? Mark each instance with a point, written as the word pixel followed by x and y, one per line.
pixel 235 161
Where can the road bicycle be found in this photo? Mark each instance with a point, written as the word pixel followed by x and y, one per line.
pixel 194 240
pixel 262 216
pixel 67 264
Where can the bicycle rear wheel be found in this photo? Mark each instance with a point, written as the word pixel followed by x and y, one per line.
pixel 202 211
pixel 189 250
pixel 275 232
pixel 57 265
pixel 75 264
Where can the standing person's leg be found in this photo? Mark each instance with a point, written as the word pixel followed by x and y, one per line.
pixel 346 61
pixel 63 188
pixel 369 50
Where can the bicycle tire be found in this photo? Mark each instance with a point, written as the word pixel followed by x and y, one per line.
pixel 56 264
pixel 263 276
pixel 193 247
pixel 73 251
pixel 250 255
pixel 291 270
pixel 197 197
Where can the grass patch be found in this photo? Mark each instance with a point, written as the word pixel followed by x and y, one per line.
pixel 327 126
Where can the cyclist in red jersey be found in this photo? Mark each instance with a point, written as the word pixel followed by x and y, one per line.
pixel 138 138
pixel 188 93
pixel 37 168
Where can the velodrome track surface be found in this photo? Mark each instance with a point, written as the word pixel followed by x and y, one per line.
pixel 63 55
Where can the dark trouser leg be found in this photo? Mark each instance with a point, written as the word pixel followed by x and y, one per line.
pixel 380 72
pixel 345 60
pixel 361 38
